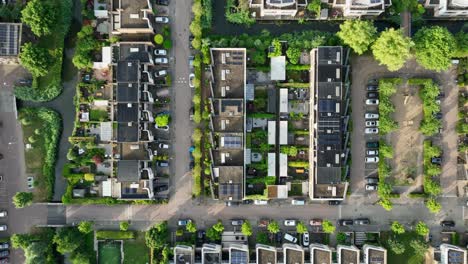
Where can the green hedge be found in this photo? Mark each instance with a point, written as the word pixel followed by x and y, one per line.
pixel 297 67
pixel 418 195
pixel 294 85
pixel 114 235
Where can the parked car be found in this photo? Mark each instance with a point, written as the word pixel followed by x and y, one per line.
pixel 237 222
pixel 447 223
pixel 334 202
pixel 190 80
pixel 161 19
pixel 162 2
pixel 263 222
pixel 4 245
pixel 372 95
pixel 316 222
pixel 190 60
pixel 371 187
pixel 436 160
pixel 372 152
pixel 160 73
pixel 30 182
pixel 24 82
pixel 345 222
pixel 160 52
pixel 163 146
pixel 305 239
pixel 372 180
pixel 373 159
pixel 372 102
pixel 247 201
pixel 161 60
pixel 260 202
pixel 5 260
pixel 438 115
pixel 372 144
pixel 372 123
pixel 371 116
pixel 191 113
pixel 163 163
pixel 372 130
pixel 362 221
pixel 183 222
pixel 290 238
pixel 165 128
pixel 3 213
pixel 298 202
pixel 289 222
pixel 3 227
pixel 372 87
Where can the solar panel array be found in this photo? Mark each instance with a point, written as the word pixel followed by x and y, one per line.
pixel 9 35
pixel 230 190
pixel 455 257
pixel 238 257
pixel 232 142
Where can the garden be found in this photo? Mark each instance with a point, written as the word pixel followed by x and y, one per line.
pixel 109 252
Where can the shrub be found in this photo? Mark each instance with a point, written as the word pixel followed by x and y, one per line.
pixel 158 39
pixel 422 229
pixel 328 227
pixel 123 226
pixel 22 199
pixel 397 228
pixel 167 44
pixel 246 228
pixel 85 227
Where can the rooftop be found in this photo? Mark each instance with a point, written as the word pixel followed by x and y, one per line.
pixel 128 170
pixel 183 255
pixel 128 71
pixel 348 256
pixel 127 132
pixel 133 13
pixel 266 256
pixel 238 257
pixel 134 52
pixel 127 92
pixel 294 256
pixel 127 112
pixel 321 256
pixel 376 257
pixel 228 68
pixel 230 180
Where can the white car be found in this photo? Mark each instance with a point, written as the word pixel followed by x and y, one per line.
pixel 372 102
pixel 161 60
pixel 190 80
pixel 290 222
pixel 305 239
pixel 371 116
pixel 372 159
pixel 165 128
pixel 260 202
pixel 161 19
pixel 372 123
pixel 290 238
pixel 372 152
pixel 3 228
pixel 160 52
pixel 3 214
pixel 160 73
pixel 163 146
pixel 372 130
pixel 371 187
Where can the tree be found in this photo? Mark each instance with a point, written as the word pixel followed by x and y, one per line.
pixel 158 39
pixel 68 239
pixel 434 47
pixel 41 16
pixel 385 150
pixel 35 252
pixel 219 227
pixel 195 28
pixel 358 34
pixel 273 227
pixel 341 238
pixel 80 258
pixel 191 227
pixel 156 236
pixel 392 49
pixel 277 49
pixel 328 227
pixel 293 55
pixel 386 204
pixel 22 199
pixel 35 59
pixel 422 229
pixel 246 228
pixel 433 206
pixel 162 120
pixel 123 226
pixel 213 235
pixel 314 6
pixel 85 227
pixel 396 246
pixel 397 228
pixel 301 228
pixel 419 247
pixel 262 238
pixel 21 240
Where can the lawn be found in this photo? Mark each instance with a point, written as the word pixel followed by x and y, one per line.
pixel 109 253
pixel 135 250
pixel 296 189
pixel 98 115
pixel 409 255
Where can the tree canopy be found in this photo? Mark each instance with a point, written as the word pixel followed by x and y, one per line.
pixel 68 239
pixel 328 227
pixel 422 229
pixel 35 59
pixel 358 34
pixel 294 54
pixel 397 228
pixel 246 228
pixel 191 227
pixel 157 235
pixel 22 199
pixel 85 227
pixel 273 227
pixel 301 228
pixel 392 49
pixel 41 16
pixel 434 47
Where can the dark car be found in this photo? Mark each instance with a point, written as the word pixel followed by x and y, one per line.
pixel 25 82
pixel 201 234
pixel 436 160
pixel 162 2
pixel 372 144
pixel 362 221
pixel 279 237
pixel 438 115
pixel 192 164
pixel 372 95
pixel 372 180
pixel 372 87
pixel 334 202
pixel 248 201
pixel 447 223
pixel 345 222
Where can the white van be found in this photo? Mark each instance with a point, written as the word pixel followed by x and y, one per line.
pixel 290 238
pixel 260 202
pixel 297 202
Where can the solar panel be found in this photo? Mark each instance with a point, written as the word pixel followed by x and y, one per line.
pixel 238 257
pixel 232 142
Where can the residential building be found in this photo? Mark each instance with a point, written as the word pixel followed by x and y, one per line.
pixel 276 8
pixel 347 254
pixel 238 254
pixel 450 254
pixel 10 42
pixel 211 254
pixel 266 254
pixel 359 8
pixel 320 254
pixel 293 253
pixel 184 254
pixel 131 17
pixel 228 121
pixel 448 8
pixel 374 254
pixel 327 103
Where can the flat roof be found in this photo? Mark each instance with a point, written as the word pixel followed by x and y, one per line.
pixel 128 170
pixel 127 132
pixel 321 256
pixel 278 68
pixel 132 13
pixel 283 165
pixel 294 256
pixel 271 132
pixel 128 71
pixel 348 256
pixel 127 112
pixel 134 52
pixel 272 164
pixel 283 107
pixel 266 256
pixel 228 68
pixel 283 133
pixel 127 92
pixel 239 257
pixel 10 39
pixel 376 256
pixel 231 181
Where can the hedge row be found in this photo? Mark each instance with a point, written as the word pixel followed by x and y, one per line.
pixel 114 235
